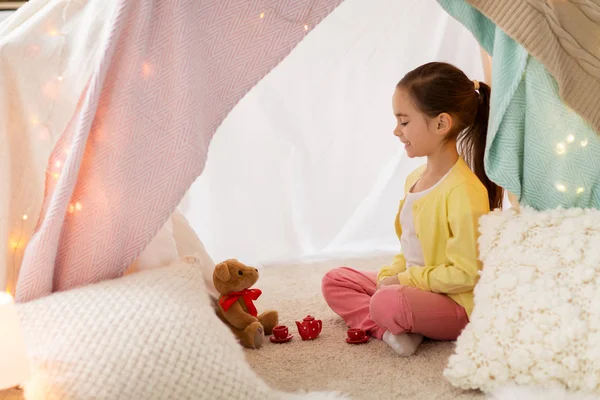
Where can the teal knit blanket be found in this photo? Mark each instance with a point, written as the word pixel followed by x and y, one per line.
pixel 537 148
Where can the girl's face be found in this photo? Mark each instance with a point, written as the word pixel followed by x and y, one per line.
pixel 418 133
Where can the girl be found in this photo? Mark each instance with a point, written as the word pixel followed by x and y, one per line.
pixel 428 289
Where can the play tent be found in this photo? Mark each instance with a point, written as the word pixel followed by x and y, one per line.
pixel 118 103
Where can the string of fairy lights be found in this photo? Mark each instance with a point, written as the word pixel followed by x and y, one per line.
pixel 271 10
pixel 561 149
pixel 41 125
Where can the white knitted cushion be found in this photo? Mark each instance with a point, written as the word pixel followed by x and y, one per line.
pixel 150 335
pixel 537 305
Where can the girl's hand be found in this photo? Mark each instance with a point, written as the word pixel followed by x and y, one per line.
pixel 390 280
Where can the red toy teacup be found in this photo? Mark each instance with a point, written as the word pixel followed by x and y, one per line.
pixel 355 335
pixel 281 332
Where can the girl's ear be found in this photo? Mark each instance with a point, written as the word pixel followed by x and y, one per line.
pixel 443 124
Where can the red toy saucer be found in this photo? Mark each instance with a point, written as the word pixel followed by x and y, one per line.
pixel 275 340
pixel 359 341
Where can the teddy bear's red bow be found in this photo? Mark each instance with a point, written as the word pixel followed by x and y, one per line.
pixel 247 294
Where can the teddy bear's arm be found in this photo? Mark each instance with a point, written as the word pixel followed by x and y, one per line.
pixel 237 317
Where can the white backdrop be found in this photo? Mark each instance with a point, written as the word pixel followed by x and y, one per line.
pixel 307 164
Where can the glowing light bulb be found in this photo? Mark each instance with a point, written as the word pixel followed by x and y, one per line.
pixel 57 164
pixel 35 120
pixel 560 187
pixel 71 208
pixel 262 15
pixel 560 148
pixel 584 143
pixel 305 27
pixel 78 206
pixel 53 32
pixel 146 69
pixel 580 190
pixel 14 244
pixel 25 217
pixel 60 78
pixel 55 176
pixel 570 139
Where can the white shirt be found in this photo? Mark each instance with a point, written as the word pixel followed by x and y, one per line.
pixel 411 246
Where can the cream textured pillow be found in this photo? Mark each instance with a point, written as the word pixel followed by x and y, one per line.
pixel 150 335
pixel 537 305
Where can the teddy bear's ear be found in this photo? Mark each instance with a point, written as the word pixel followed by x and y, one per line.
pixel 222 272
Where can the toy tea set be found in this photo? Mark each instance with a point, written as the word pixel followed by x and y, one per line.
pixel 235 307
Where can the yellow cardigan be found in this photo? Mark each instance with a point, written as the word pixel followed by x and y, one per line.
pixel 446 223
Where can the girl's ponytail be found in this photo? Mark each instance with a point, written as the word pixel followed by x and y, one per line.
pixel 471 144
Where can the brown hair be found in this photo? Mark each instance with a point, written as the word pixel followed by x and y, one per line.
pixel 437 88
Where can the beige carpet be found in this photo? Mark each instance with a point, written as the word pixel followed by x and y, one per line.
pixel 368 371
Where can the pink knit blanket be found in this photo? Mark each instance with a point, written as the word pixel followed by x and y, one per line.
pixel 170 71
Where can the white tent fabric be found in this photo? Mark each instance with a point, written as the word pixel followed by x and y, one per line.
pixel 4 15
pixel 306 164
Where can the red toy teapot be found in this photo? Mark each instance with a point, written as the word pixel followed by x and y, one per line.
pixel 309 328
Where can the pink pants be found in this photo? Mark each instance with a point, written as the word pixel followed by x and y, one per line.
pixel 353 295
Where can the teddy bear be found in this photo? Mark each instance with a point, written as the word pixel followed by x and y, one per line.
pixel 233 281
